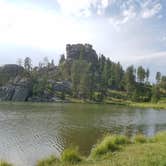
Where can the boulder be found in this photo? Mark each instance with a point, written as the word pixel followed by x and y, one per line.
pixel 62 86
pixel 16 92
pixel 22 90
pixel 6 93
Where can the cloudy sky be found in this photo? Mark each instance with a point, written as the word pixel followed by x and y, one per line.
pixel 128 31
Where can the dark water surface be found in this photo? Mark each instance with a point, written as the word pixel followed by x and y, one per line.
pixel 31 132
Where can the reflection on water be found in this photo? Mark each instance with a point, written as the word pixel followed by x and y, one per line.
pixel 28 133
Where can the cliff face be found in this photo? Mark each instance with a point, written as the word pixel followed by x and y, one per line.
pixel 17 85
pixel 85 51
pixel 14 86
pixel 10 72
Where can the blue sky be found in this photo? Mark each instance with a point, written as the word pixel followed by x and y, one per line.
pixel 129 31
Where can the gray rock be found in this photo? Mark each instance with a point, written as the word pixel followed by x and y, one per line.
pixel 87 52
pixel 22 90
pixel 19 91
pixel 6 93
pixel 62 86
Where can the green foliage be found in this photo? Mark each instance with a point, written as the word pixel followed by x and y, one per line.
pixel 4 163
pixel 92 78
pixel 141 74
pixel 98 97
pixel 129 79
pixel 120 139
pixel 141 93
pixel 163 82
pixel 110 143
pixel 50 161
pixel 81 78
pixel 155 94
pixel 140 138
pixel 105 146
pixel 40 86
pixel 160 137
pixel 71 155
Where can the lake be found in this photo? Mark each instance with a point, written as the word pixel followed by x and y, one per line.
pixel 29 132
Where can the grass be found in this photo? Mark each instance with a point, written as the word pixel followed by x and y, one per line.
pixel 50 161
pixel 114 150
pixel 110 143
pixel 140 138
pixel 4 163
pixel 71 155
pixel 148 105
pixel 118 150
pixel 160 137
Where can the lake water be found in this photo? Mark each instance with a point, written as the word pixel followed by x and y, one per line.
pixel 31 132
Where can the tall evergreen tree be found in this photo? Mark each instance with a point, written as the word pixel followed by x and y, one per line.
pixel 141 74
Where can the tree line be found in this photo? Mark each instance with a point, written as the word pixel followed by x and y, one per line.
pixel 95 80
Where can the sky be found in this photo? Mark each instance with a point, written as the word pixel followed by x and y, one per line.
pixel 129 31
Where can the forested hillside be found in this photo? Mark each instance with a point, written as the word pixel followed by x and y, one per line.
pixel 81 74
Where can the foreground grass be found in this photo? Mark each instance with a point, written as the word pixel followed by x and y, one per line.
pixel 4 163
pixel 115 150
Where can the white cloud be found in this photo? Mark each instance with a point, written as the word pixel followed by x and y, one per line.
pixel 39 29
pixel 126 15
pixel 82 7
pixel 150 8
pixel 76 7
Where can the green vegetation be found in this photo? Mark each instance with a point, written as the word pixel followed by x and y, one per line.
pixel 110 143
pixel 115 150
pixel 93 81
pixel 118 150
pixel 84 76
pixel 50 161
pixel 71 155
pixel 139 138
pixel 4 163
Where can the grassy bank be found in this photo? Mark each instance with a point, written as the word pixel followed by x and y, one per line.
pixel 115 150
pixel 160 105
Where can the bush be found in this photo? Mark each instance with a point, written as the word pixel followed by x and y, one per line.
pixel 4 163
pixel 160 137
pixel 71 155
pixel 120 139
pixel 50 161
pixel 108 144
pixel 140 138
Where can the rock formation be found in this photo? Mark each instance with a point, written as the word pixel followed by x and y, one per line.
pixel 14 86
pixel 86 51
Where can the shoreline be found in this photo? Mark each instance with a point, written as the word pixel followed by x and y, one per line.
pixel 114 150
pixel 78 101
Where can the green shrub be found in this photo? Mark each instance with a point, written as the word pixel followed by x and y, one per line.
pixel 4 163
pixel 50 161
pixel 120 139
pixel 160 137
pixel 162 162
pixel 71 155
pixel 108 144
pixel 140 138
